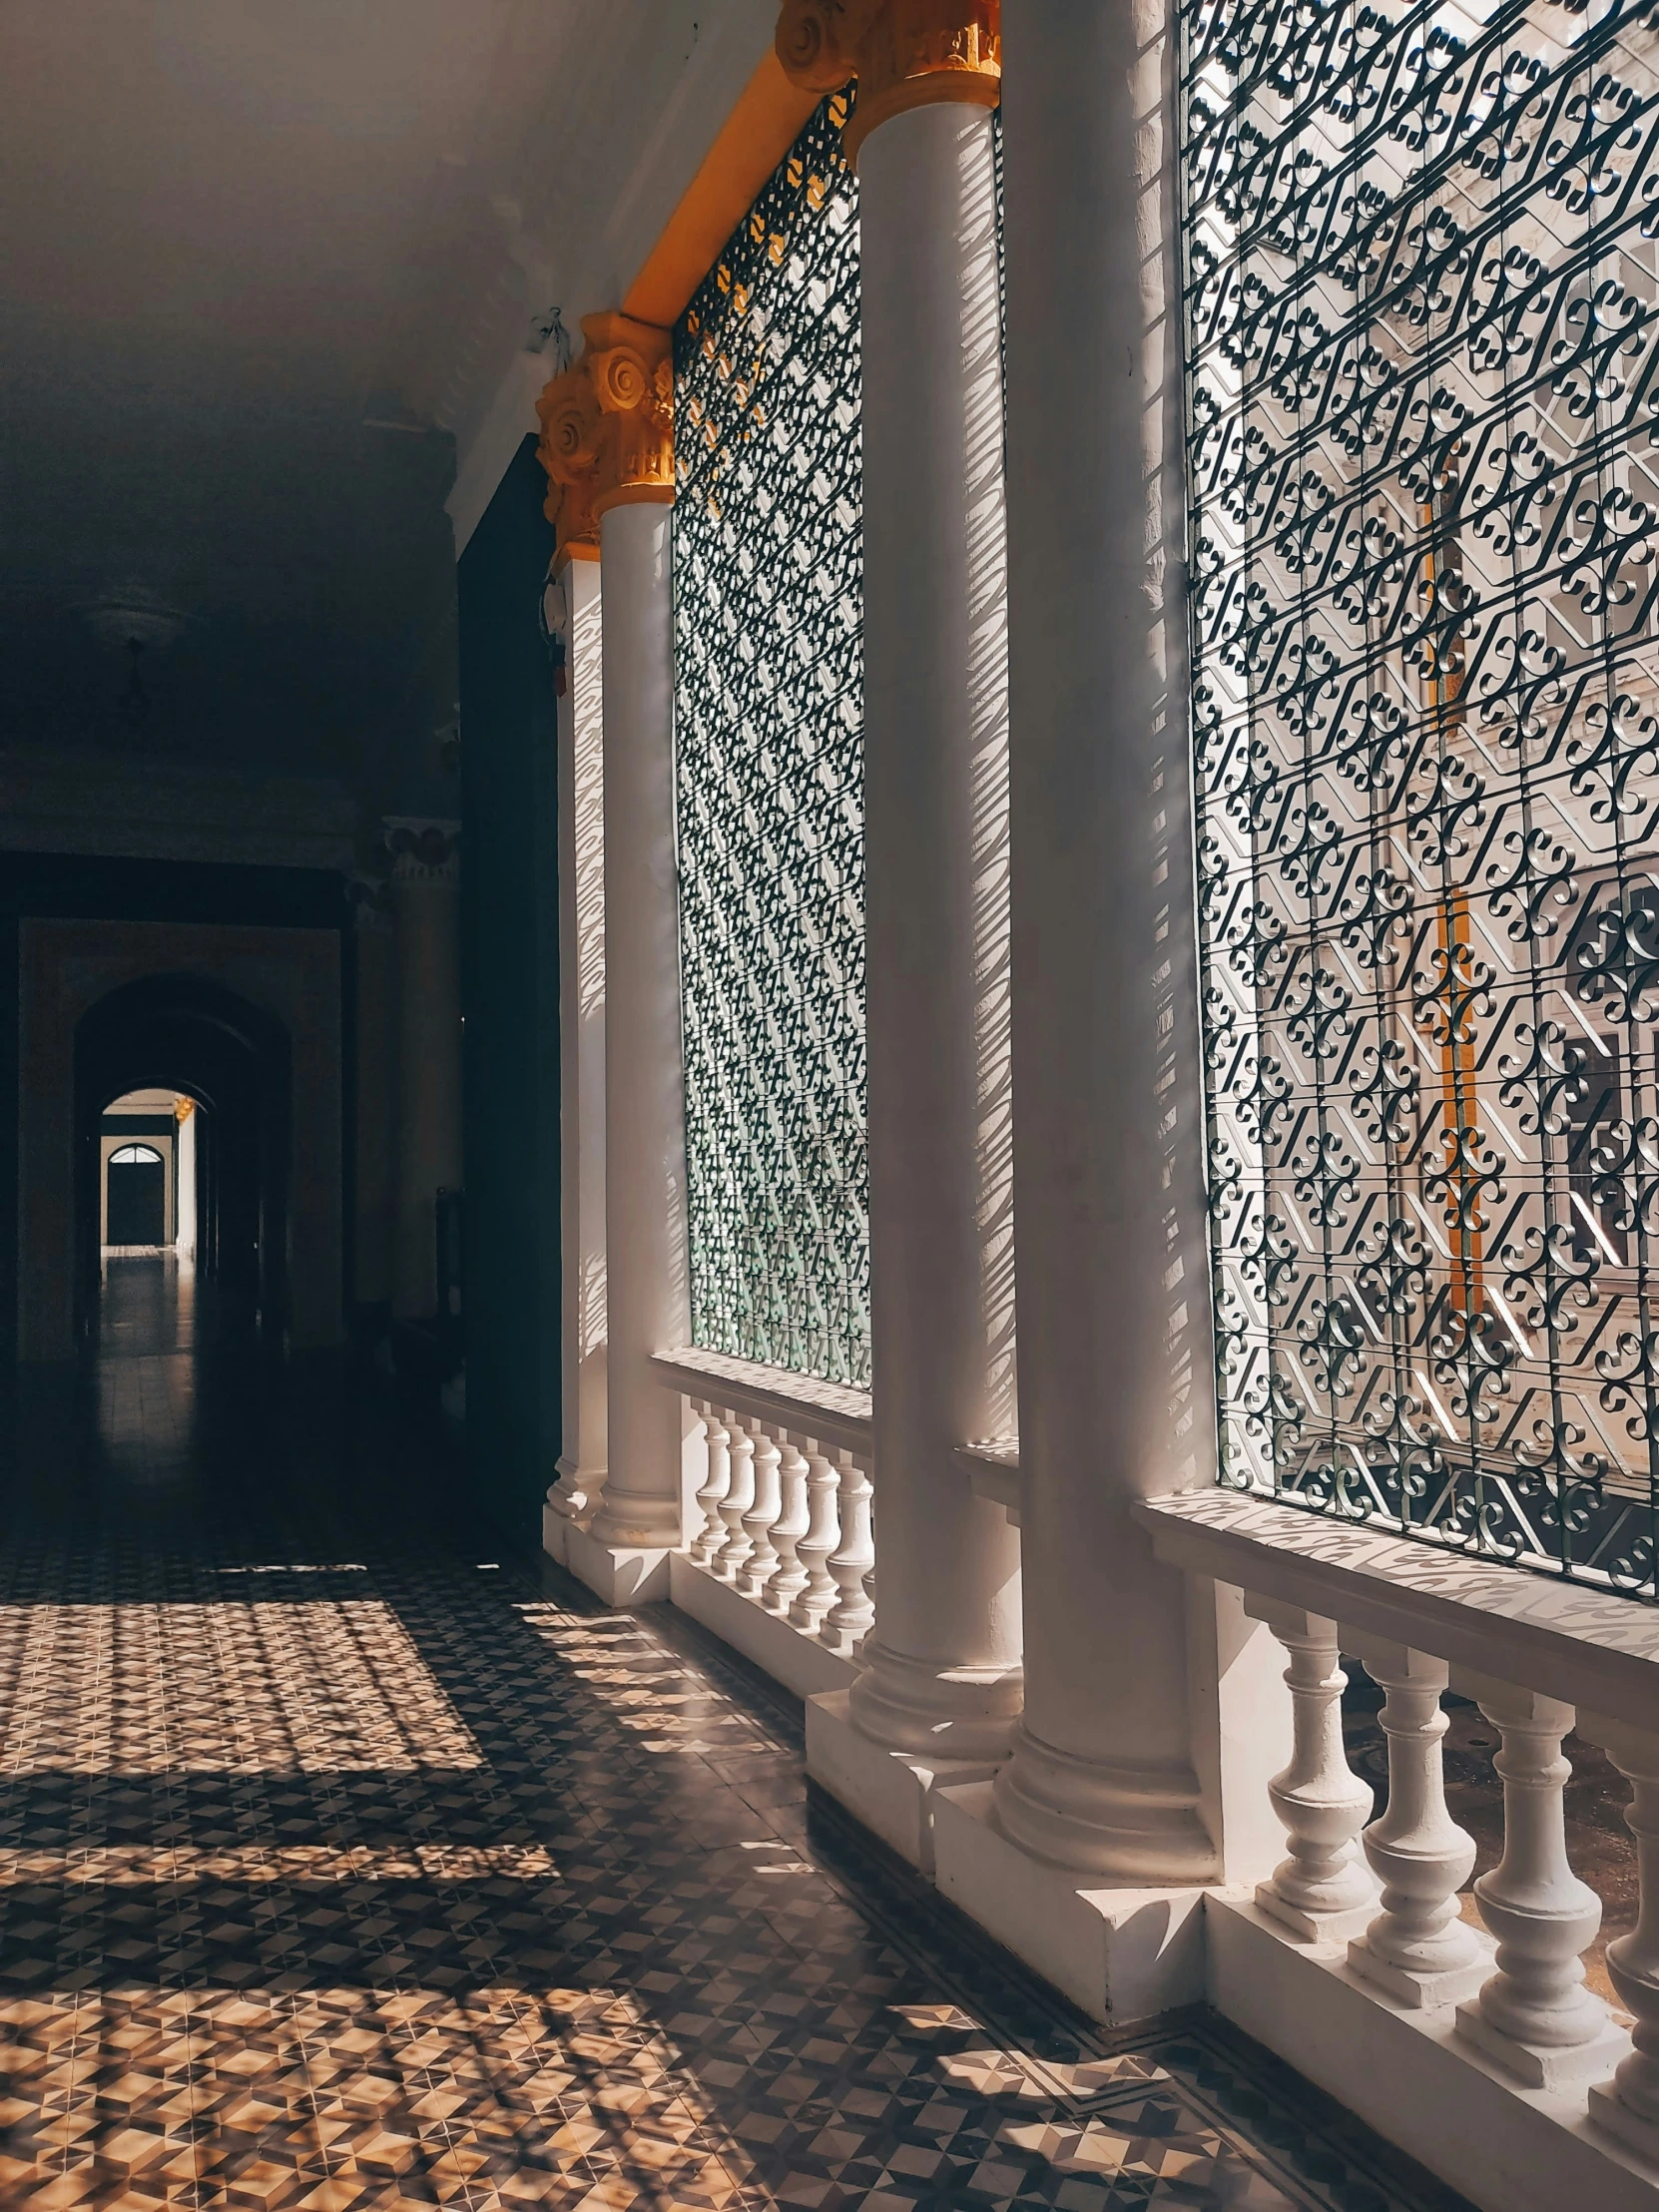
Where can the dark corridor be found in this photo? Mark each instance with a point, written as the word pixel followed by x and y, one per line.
pixel 198 1040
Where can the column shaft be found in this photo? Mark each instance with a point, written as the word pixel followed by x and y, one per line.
pixel 582 1457
pixel 645 1170
pixel 1113 1308
pixel 943 1677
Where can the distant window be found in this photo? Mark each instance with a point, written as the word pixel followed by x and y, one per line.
pixel 135 1155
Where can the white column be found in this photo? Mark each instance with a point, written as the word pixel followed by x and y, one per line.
pixel 624 1555
pixel 428 1110
pixel 582 1455
pixel 184 1237
pixel 941 1685
pixel 1134 1712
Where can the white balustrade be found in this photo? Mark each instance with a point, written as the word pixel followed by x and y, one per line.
pixel 1510 2002
pixel 789 1577
pixel 1534 2015
pixel 1324 1890
pixel 761 1517
pixel 788 1524
pixel 716 1438
pixel 1628 2106
pixel 738 1503
pixel 852 1615
pixel 1417 1947
pixel 824 1529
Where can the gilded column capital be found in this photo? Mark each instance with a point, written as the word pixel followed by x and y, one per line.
pixel 607 429
pixel 904 53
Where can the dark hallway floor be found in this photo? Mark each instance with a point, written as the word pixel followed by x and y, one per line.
pixel 343 1864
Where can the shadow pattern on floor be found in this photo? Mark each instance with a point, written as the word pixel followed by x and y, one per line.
pixel 337 1873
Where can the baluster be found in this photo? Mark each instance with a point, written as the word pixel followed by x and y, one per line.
pixel 1417 1948
pixel 824 1529
pixel 1534 2014
pixel 788 1530
pixel 1324 1890
pixel 1628 2106
pixel 762 1516
pixel 852 1616
pixel 739 1499
pixel 718 1438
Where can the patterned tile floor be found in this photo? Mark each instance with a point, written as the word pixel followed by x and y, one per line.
pixel 341 1866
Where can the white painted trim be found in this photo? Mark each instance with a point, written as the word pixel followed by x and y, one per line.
pixel 829 1412
pixel 1566 1639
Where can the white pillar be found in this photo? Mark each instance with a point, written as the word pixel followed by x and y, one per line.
pixel 580 785
pixel 624 1555
pixel 184 1168
pixel 941 1684
pixel 1136 1701
pixel 427 1111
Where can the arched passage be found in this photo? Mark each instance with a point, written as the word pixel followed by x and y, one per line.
pixel 197 1038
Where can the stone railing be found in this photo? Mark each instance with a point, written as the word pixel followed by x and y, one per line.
pixel 1461 2042
pixel 783 1564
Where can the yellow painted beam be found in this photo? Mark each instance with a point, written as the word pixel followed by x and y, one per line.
pixel 755 138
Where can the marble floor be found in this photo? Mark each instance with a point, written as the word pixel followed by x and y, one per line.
pixel 347 1862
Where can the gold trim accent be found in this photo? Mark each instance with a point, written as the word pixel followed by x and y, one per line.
pixel 769 115
pixel 607 429
pixel 905 54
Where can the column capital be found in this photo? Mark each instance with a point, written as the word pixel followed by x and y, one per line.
pixel 424 850
pixel 607 429
pixel 904 53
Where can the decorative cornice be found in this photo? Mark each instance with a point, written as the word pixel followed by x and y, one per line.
pixel 424 850
pixel 607 429
pixel 904 53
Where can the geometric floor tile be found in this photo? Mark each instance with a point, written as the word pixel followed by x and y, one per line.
pixel 347 1862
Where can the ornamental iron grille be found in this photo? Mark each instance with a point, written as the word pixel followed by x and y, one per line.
pixel 769 732
pixel 1420 303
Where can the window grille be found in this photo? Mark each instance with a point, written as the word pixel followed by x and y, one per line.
pixel 768 726
pixel 1420 307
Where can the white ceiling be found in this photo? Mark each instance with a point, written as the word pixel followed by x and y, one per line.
pixel 267 270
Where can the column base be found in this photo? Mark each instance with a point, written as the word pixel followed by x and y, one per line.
pixel 892 1791
pixel 618 1574
pixel 556 1528
pixel 1538 2067
pixel 1423 1992
pixel 1122 1955
pixel 1637 2135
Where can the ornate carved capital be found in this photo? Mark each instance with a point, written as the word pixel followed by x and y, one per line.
pixel 607 429
pixel 904 53
pixel 424 850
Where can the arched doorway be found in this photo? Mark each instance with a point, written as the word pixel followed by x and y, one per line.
pixel 135 1196
pixel 231 1060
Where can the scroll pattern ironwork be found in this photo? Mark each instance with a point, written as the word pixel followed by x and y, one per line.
pixel 769 718
pixel 1421 308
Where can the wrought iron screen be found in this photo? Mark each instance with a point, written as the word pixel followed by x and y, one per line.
pixel 768 730
pixel 1420 302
